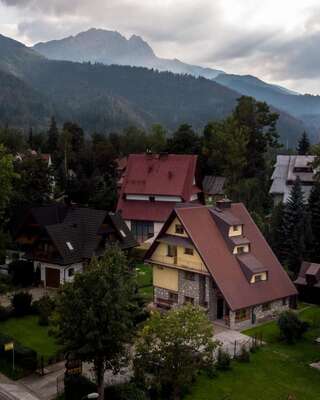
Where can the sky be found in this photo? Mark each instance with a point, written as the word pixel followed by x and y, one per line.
pixel 275 40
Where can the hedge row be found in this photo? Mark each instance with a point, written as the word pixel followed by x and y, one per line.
pixel 25 357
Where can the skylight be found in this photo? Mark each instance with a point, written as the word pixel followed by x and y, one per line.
pixel 69 245
pixel 122 233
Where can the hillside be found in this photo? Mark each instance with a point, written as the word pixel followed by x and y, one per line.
pixel 105 98
pixel 109 47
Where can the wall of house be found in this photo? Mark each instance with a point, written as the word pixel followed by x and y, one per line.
pixel 78 268
pixel 172 229
pixel 276 307
pixel 165 278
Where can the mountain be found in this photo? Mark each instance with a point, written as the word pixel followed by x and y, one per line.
pixel 109 47
pixel 105 98
pixel 303 107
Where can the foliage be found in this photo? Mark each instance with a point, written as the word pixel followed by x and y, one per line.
pixel 184 141
pixel 21 272
pixel 244 355
pixel 223 360
pixel 21 303
pixel 25 357
pixel 277 231
pixel 126 391
pixel 44 307
pixel 314 212
pixel 93 318
pixel 172 348
pixel 291 327
pixel 7 176
pixel 77 387
pixel 303 144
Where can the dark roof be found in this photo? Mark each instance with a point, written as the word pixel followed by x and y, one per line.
pixel 250 265
pixel 156 175
pixel 78 235
pixel 213 185
pixel 176 241
pixel 202 229
pixel 309 275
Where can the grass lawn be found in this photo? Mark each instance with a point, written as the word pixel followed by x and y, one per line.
pixel 275 371
pixel 27 332
pixel 144 279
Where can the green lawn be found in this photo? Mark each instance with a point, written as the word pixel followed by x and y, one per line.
pixel 144 280
pixel 275 371
pixel 29 333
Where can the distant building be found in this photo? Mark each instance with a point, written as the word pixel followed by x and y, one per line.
pixel 213 188
pixel 61 240
pixel 286 171
pixel 308 282
pixel 152 185
pixel 217 258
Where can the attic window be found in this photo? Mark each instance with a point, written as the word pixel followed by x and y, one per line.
pixel 122 233
pixel 69 245
pixel 262 276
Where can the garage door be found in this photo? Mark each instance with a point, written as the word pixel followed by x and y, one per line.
pixel 52 277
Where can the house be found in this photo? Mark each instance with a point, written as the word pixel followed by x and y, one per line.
pixel 61 240
pixel 152 185
pixel 286 171
pixel 308 282
pixel 217 258
pixel 213 188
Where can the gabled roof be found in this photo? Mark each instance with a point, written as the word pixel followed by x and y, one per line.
pixel 156 175
pixel 76 236
pixel 224 267
pixel 213 185
pixel 309 274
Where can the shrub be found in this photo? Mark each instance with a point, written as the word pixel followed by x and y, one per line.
pixel 223 360
pixel 25 357
pixel 44 307
pixel 125 391
pixel 291 327
pixel 244 355
pixel 77 386
pixel 21 272
pixel 21 303
pixel 5 283
pixel 5 313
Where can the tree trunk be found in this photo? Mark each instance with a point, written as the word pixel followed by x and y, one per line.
pixel 99 371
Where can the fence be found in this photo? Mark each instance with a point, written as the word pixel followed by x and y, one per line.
pixel 235 348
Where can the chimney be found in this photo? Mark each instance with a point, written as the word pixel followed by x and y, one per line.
pixel 224 203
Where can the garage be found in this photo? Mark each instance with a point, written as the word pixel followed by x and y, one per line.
pixel 52 277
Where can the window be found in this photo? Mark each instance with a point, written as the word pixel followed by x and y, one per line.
pixel 179 229
pixel 188 300
pixel 142 230
pixel 70 272
pixel 172 251
pixel 243 314
pixel 69 245
pixel 240 249
pixel 189 276
pixel 151 198
pixel 188 251
pixel 266 306
pixel 173 297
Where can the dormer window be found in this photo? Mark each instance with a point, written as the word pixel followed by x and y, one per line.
pixel 259 277
pixel 241 249
pixel 179 229
pixel 235 230
pixel 69 245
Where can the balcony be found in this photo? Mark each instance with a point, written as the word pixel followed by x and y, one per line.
pixel 180 262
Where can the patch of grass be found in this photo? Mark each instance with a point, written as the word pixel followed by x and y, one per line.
pixel 276 370
pixel 144 281
pixel 27 332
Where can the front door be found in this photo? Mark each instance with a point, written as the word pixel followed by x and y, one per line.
pixel 220 303
pixel 52 277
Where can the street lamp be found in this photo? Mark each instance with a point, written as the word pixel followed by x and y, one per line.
pixel 91 396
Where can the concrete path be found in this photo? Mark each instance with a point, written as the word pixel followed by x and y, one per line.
pixel 232 341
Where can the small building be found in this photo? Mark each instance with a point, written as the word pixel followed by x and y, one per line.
pixel 308 282
pixel 61 240
pixel 152 185
pixel 217 258
pixel 287 170
pixel 213 188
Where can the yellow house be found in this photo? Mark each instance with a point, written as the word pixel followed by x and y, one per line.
pixel 216 258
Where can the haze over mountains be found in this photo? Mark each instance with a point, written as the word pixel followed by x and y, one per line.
pixel 111 97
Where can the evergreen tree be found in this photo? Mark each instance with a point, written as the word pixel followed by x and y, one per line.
pixel 30 139
pixel 303 145
pixel 53 137
pixel 184 141
pixel 314 210
pixel 277 233
pixel 294 225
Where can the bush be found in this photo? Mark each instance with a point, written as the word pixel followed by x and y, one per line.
pixel 21 303
pixel 5 283
pixel 125 391
pixel 223 360
pixel 21 273
pixel 25 357
pixel 5 313
pixel 44 307
pixel 244 355
pixel 291 327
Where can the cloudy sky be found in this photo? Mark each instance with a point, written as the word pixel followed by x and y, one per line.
pixel 276 40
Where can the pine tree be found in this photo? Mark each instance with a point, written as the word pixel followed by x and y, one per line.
pixel 53 137
pixel 30 139
pixel 294 225
pixel 303 145
pixel 314 210
pixel 277 232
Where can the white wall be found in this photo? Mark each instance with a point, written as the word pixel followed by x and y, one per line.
pixel 78 267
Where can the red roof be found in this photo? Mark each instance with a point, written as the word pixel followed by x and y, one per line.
pixel 224 266
pixel 156 175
